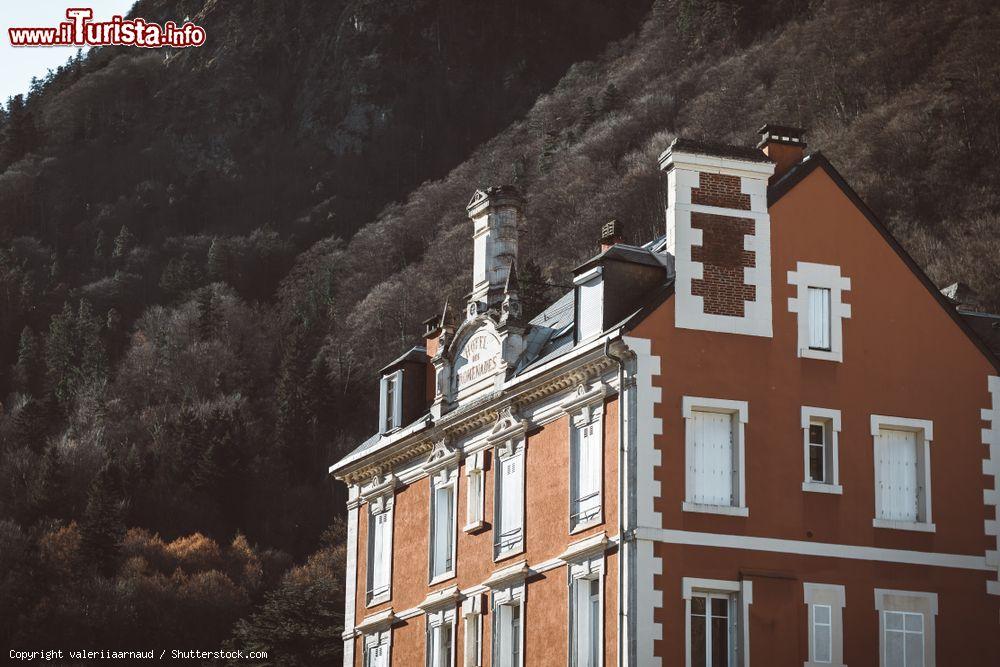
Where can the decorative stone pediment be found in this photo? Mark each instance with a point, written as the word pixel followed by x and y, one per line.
pixel 585 400
pixel 507 435
pixel 378 492
pixel 442 456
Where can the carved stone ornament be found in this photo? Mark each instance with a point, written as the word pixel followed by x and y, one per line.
pixel 379 488
pixel 442 455
pixel 585 400
pixel 508 433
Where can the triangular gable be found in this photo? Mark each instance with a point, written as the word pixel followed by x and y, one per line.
pixel 819 161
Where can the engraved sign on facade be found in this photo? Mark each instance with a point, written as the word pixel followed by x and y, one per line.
pixel 478 360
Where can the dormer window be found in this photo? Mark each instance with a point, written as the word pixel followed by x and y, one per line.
pixel 391 404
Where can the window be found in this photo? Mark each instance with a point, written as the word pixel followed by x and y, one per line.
pixel 717 634
pixel 714 438
pixel 906 628
pixel 585 465
pixel 509 504
pixel 902 473
pixel 586 613
pixel 440 639
pixel 473 614
pixel 379 549
pixel 442 556
pixel 825 605
pixel 820 308
pixel 589 303
pixel 821 430
pixel 819 318
pixel 391 403
pixel 475 482
pixel 508 618
pixel 376 648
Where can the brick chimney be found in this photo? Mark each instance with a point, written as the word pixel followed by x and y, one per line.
pixel 496 214
pixel 785 145
pixel 611 234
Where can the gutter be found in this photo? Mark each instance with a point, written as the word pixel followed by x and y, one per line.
pixel 624 395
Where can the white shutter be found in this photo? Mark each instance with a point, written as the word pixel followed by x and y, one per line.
pixel 511 498
pixel 475 497
pixel 712 469
pixel 590 319
pixel 383 406
pixel 588 472
pixel 819 318
pixel 897 475
pixel 380 555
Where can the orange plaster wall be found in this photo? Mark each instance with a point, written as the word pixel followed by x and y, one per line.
pixel 903 356
pixel 546 536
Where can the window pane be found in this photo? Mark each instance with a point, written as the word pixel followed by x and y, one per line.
pixel 893 620
pixel 720 641
pixel 817 463
pixel 894 649
pixel 698 605
pixel 698 639
pixel 821 614
pixel 914 649
pixel 816 434
pixel 914 622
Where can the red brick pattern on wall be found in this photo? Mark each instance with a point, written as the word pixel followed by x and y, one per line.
pixel 720 190
pixel 723 259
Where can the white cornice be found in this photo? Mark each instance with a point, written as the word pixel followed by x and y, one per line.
pixel 383 620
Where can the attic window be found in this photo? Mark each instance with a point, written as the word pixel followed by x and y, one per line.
pixel 820 290
pixel 391 403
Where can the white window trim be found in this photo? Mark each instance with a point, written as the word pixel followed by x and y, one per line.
pixel 691 404
pixel 744 594
pixel 446 477
pixel 381 499
pixel 585 569
pixel 826 276
pixel 924 428
pixel 585 407
pixel 375 639
pixel 908 601
pixel 508 440
pixel 397 402
pixel 475 465
pixel 436 619
pixel 833 596
pixel 833 417
pixel 472 614
pixel 513 594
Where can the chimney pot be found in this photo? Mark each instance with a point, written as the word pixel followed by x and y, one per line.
pixel 611 234
pixel 784 144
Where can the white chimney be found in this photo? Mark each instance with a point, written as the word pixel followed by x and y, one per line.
pixel 719 231
pixel 495 214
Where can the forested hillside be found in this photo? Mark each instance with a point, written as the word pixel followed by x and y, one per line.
pixel 201 265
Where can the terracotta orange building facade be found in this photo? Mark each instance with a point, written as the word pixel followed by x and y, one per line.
pixel 764 438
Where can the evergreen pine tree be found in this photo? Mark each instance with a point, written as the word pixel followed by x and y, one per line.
pixel 291 424
pixel 124 243
pixel 48 494
pixel 611 99
pixel 102 527
pixel 92 356
pixel 550 146
pixel 590 112
pixel 206 313
pixel 29 370
pixel 218 261
pixel 59 353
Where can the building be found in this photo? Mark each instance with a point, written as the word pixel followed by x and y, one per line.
pixel 719 448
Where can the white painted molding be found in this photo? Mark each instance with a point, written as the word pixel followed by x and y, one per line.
pixel 585 548
pixel 812 548
pixel 691 403
pixel 825 276
pixel 440 599
pixel 913 602
pixel 502 578
pixel 991 469
pixel 380 621
pixel 808 414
